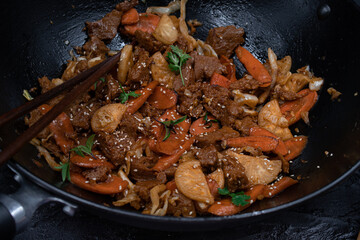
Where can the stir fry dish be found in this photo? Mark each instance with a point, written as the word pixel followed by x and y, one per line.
pixel 174 129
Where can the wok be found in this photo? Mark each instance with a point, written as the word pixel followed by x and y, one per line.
pixel 38 35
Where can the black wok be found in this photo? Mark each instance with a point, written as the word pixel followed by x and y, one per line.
pixel 37 36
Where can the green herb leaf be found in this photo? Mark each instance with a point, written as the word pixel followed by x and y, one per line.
pixel 177 58
pixel 101 79
pixel 169 125
pixel 65 171
pixel 124 97
pixel 239 198
pixel 81 149
pixel 208 121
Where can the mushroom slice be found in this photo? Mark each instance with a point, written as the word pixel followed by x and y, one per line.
pixel 257 169
pixel 191 181
pixel 108 117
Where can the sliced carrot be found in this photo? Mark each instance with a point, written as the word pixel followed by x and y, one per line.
pixel 113 184
pixel 295 146
pixel 279 186
pixel 171 185
pixel 292 110
pixel 130 17
pixel 90 162
pixel 230 68
pixel 61 128
pixel 166 161
pixel 225 207
pixel 253 66
pixel 199 126
pixel 220 80
pixel 147 23
pixel 265 143
pixel 259 131
pixel 176 138
pixel 163 98
pixel 134 104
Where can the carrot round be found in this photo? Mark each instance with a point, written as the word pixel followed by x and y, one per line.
pixel 295 146
pixel 199 126
pixel 253 66
pixel 90 162
pixel 292 110
pixel 134 104
pixel 265 143
pixel 220 80
pixel 147 23
pixel 279 186
pixel 163 98
pixel 171 185
pixel 230 68
pixel 166 161
pixel 225 207
pixel 130 17
pixel 61 128
pixel 113 184
pixel 259 131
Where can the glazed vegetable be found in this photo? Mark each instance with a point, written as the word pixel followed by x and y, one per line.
pixel 108 117
pixel 125 63
pixel 165 31
pixel 279 186
pixel 147 23
pixel 134 104
pixel 161 72
pixel 163 98
pixel 130 17
pixel 295 146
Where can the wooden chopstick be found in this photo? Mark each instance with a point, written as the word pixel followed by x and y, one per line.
pixel 45 120
pixel 30 105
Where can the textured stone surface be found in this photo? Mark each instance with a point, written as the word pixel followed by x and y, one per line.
pixel 333 215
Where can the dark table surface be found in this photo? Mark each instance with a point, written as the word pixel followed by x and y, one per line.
pixel 333 215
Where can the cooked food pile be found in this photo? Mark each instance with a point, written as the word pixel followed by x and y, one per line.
pixel 174 129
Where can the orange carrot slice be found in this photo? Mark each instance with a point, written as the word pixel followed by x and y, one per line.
pixel 163 98
pixel 292 110
pixel 253 66
pixel 166 161
pixel 279 186
pixel 90 162
pixel 171 185
pixel 265 143
pixel 134 104
pixel 295 146
pixel 61 128
pixel 113 185
pixel 259 131
pixel 147 23
pixel 130 17
pixel 225 207
pixel 199 126
pixel 220 80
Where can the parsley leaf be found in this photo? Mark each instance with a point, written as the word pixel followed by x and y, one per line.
pixel 65 171
pixel 177 58
pixel 169 125
pixel 101 79
pixel 237 199
pixel 125 96
pixel 81 149
pixel 208 121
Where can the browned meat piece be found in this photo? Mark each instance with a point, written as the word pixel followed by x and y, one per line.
pixel 244 124
pixel 149 111
pixel 81 113
pixel 148 42
pixel 225 39
pixel 105 28
pixel 126 5
pixel 190 100
pixel 180 205
pixel 181 43
pixel 115 145
pixel 218 135
pixel 140 72
pixel 108 90
pixel 234 173
pixel 135 123
pixel 187 72
pixel 45 84
pixel 99 174
pixel 208 157
pixel 205 66
pixel 94 47
pixel 285 95
pixel 245 84
pixel 140 169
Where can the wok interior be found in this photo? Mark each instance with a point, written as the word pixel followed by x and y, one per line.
pixel 37 46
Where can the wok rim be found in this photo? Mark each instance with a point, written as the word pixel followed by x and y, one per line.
pixel 81 202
